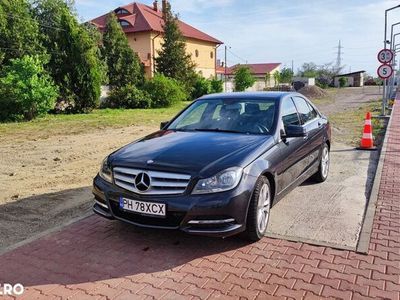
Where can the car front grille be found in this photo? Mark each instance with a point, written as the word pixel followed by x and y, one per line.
pixel 161 183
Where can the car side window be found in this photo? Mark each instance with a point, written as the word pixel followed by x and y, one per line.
pixel 303 108
pixel 289 113
pixel 313 113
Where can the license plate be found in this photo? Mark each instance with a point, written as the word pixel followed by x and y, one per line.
pixel 148 208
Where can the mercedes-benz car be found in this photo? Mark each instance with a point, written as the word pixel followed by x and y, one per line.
pixel 219 166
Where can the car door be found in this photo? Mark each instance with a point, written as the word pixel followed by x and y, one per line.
pixel 292 150
pixel 311 121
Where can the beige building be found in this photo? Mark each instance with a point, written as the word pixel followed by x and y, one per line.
pixel 354 79
pixel 259 72
pixel 142 25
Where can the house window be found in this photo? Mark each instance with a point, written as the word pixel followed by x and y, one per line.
pixel 196 53
pixel 124 23
pixel 121 11
pixel 212 55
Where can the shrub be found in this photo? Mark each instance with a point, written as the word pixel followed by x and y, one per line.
pixel 128 97
pixel 165 91
pixel 216 86
pixel 323 82
pixel 26 90
pixel 342 81
pixel 201 87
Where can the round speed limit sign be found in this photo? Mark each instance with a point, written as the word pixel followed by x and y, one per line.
pixel 385 71
pixel 385 56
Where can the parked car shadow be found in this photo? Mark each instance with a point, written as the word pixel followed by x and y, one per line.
pixel 96 249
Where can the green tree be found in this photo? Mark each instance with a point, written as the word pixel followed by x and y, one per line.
pixel 19 32
pixel 26 90
pixel 309 70
pixel 216 86
pixel 277 78
pixel 74 57
pixel 286 75
pixel 172 60
pixel 243 78
pixel 123 64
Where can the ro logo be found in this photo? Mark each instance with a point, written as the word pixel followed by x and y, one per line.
pixel 10 290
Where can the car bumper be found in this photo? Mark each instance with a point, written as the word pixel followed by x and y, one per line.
pixel 218 214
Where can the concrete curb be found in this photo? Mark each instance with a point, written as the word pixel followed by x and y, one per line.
pixel 369 214
pixel 309 241
pixel 45 233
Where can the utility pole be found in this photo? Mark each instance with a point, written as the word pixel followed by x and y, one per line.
pixel 339 56
pixel 292 66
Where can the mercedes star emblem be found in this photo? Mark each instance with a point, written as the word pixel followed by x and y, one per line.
pixel 142 182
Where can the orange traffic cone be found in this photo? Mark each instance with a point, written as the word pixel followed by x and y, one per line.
pixel 367 141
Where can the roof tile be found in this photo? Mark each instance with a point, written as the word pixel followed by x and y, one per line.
pixel 145 18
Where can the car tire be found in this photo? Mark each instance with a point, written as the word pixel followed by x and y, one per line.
pixel 259 208
pixel 323 168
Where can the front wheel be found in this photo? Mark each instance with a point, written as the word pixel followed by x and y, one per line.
pixel 323 169
pixel 258 214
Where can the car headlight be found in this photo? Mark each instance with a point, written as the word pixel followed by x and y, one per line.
pixel 105 171
pixel 223 181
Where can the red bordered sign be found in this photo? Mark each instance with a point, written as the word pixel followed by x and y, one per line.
pixel 385 71
pixel 385 56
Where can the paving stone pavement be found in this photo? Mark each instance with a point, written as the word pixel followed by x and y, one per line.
pixel 99 259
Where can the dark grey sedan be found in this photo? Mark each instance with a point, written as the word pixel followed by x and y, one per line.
pixel 219 166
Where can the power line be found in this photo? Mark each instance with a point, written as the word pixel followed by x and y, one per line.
pixel 237 56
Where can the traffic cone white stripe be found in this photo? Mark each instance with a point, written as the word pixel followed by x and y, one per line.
pixel 368 122
pixel 367 136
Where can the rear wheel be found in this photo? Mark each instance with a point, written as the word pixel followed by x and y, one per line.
pixel 323 169
pixel 259 210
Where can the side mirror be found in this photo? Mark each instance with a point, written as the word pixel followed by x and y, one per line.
pixel 294 131
pixel 163 124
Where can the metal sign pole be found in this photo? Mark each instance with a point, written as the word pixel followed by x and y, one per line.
pixel 383 99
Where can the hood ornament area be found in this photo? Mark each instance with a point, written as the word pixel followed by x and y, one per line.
pixel 142 182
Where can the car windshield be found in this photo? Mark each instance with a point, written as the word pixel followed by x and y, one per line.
pixel 249 116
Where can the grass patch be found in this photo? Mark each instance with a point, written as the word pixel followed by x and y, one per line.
pixel 348 125
pixel 53 125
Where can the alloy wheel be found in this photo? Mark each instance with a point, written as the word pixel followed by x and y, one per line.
pixel 264 199
pixel 325 162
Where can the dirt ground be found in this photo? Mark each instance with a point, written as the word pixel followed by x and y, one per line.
pixel 46 182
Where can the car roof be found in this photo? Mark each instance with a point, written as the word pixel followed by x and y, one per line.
pixel 243 95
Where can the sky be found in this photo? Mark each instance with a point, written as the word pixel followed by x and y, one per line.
pixel 301 31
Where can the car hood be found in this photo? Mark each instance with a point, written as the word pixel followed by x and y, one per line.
pixel 196 153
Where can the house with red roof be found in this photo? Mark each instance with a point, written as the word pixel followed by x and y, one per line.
pixel 143 24
pixel 259 71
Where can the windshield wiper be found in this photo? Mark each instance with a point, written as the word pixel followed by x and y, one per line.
pixel 219 130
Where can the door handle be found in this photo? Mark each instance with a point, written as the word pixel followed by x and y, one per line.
pixel 320 125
